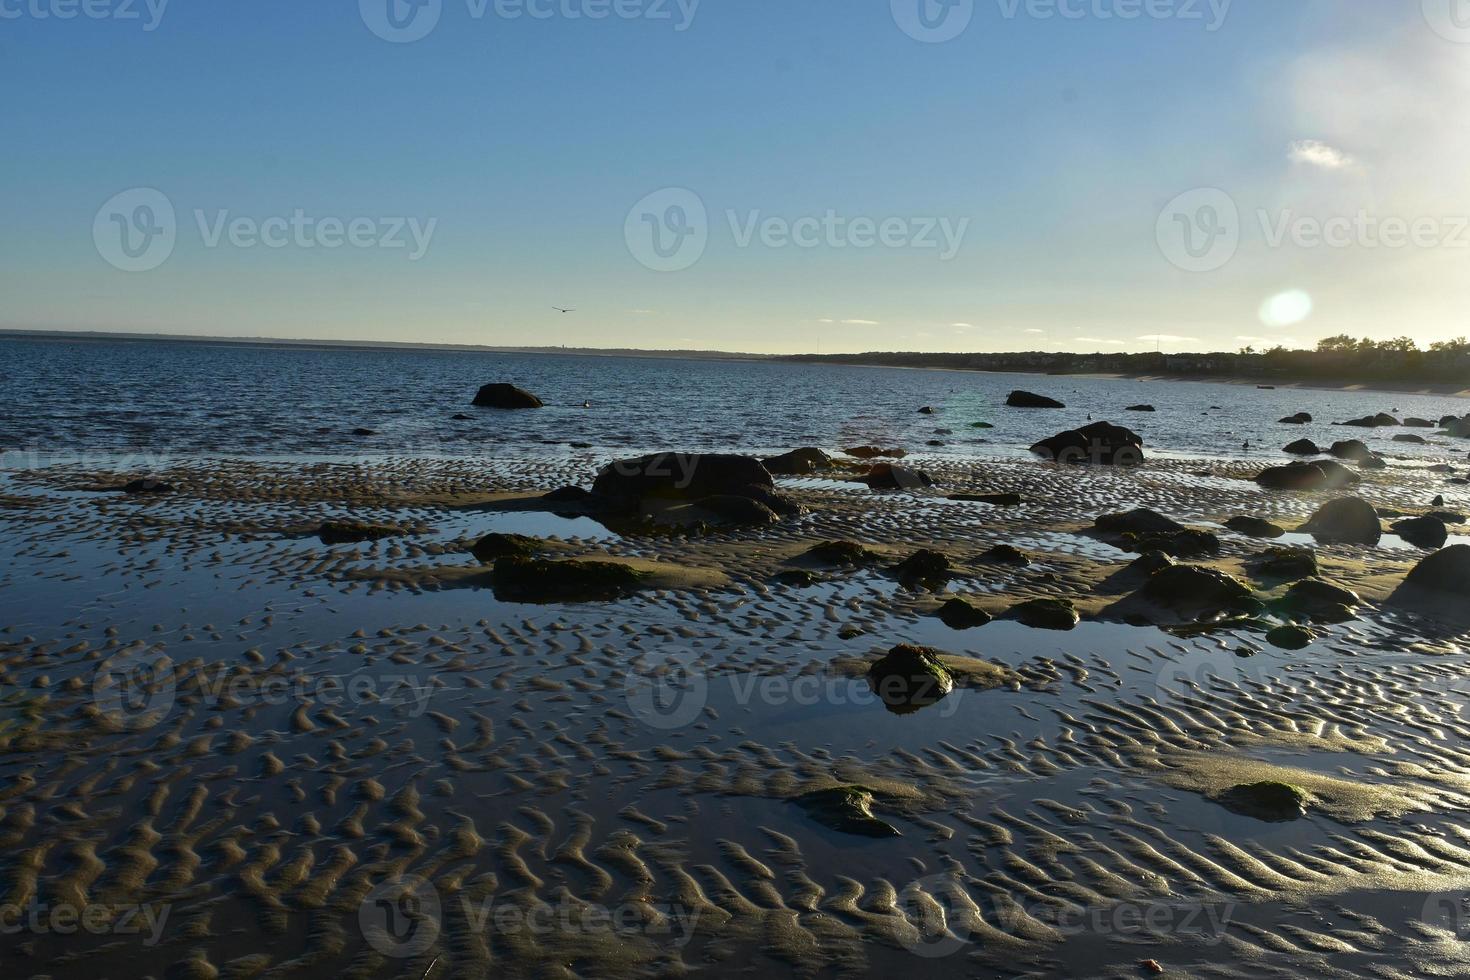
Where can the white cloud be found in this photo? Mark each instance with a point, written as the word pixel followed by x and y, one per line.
pixel 1319 154
pixel 1034 330
pixel 861 323
pixel 1098 340
pixel 640 312
pixel 1168 338
pixel 963 326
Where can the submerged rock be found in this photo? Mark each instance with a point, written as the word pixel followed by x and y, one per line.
pixel 355 532
pixel 506 396
pixel 1098 444
pixel 1411 438
pixel 798 462
pixel 1416 423
pixel 493 546
pixel 1140 408
pixel 798 578
pixel 958 614
pixel 1270 801
pixel 1045 614
pixel 1426 532
pixel 1347 519
pixel 847 809
pixel 542 580
pixel 1026 399
pixel 1254 527
pixel 910 677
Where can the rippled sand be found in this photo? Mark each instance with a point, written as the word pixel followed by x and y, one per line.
pixel 238 752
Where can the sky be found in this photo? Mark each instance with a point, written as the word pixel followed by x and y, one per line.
pixel 749 175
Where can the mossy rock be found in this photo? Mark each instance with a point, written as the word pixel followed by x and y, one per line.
pixel 958 614
pixel 541 580
pixel 909 678
pixel 493 546
pixel 1177 544
pixel 1191 585
pixel 1270 801
pixel 1255 527
pixel 846 809
pixel 845 553
pixel 1291 637
pixel 924 567
pixel 1287 564
pixel 355 532
pixel 1045 614
pixel 1319 601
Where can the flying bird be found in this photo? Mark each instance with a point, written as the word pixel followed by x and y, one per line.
pixel 560 310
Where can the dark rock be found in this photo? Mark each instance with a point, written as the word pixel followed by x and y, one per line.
pixel 1319 475
pixel 798 462
pixel 567 495
pixel 1270 801
pixel 1287 564
pixel 493 546
pixel 874 452
pixel 1100 443
pixel 1045 614
pixel 1414 423
pixel 1422 532
pixel 1347 519
pixel 909 678
pixel 540 580
pixel 1302 447
pixel 1300 418
pixel 1188 543
pixel 505 396
pixel 688 476
pixel 1449 517
pixel 994 499
pixel 1410 437
pixel 935 442
pixel 1374 462
pixel 981 425
pixel 924 567
pixel 354 532
pixel 798 578
pixel 743 511
pixel 1141 408
pixel 1254 527
pixel 1291 637
pixel 846 809
pixel 364 432
pixel 1381 420
pixel 1192 586
pixel 958 614
pixel 1026 399
pixel 844 553
pixel 147 485
pixel 1004 554
pixel 926 410
pixel 1319 601
pixel 1351 449
pixel 462 417
pixel 891 476
pixel 1445 574
pixel 1139 521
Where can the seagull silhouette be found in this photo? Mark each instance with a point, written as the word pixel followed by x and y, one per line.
pixel 560 310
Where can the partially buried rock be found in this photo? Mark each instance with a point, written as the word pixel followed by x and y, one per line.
pixel 1423 532
pixel 1319 601
pixel 1286 564
pixel 742 511
pixel 1254 527
pixel 1188 543
pixel 147 485
pixel 567 495
pixel 1302 447
pixel 1290 637
pixel 1415 423
pixel 1444 575
pixel 1181 586
pixel 541 580
pixel 909 678
pixel 848 553
pixel 1004 554
pixel 1138 521
pixel 994 499
pixel 847 809
pixel 958 614
pixel 1347 519
pixel 798 462
pixel 1270 801
pixel 798 578
pixel 1045 614
pixel 1300 418
pixel 891 476
pixel 1141 408
pixel 494 546
pixel 1098 444
pixel 1411 438
pixel 364 432
pixel 1026 399
pixel 506 396
pixel 354 532
pixel 924 567
pixel 1319 475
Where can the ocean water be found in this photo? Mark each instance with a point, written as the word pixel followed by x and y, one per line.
pixel 180 398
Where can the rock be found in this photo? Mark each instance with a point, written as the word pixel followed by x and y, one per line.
pixel 798 578
pixel 1188 543
pixel 1445 573
pixel 354 532
pixel 1100 443
pixel 958 614
pixel 994 499
pixel 924 567
pixel 1318 475
pixel 1139 521
pixel 1141 408
pixel 1457 428
pixel 891 476
pixel 505 396
pixel 1347 519
pixel 935 442
pixel 1193 586
pixel 1004 554
pixel 1291 637
pixel 1415 423
pixel 1045 614
pixel 1270 801
pixel 1429 533
pixel 1374 462
pixel 1300 418
pixel 461 417
pixel 1026 399
pixel 742 511
pixel 688 476
pixel 909 678
pixel 540 580
pixel 1447 516
pixel 147 485
pixel 364 432
pixel 1144 567
pixel 1254 527
pixel 845 553
pixel 568 495
pixel 874 452
pixel 1351 449
pixel 1381 420
pixel 1302 447
pixel 926 410
pixel 981 425
pixel 493 546
pixel 1411 438
pixel 798 462
pixel 1319 601
pixel 1288 564
pixel 846 809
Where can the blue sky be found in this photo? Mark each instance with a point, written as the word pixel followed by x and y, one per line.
pixel 495 168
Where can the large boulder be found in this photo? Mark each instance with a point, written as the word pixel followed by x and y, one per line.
pixel 1320 601
pixel 1318 475
pixel 1139 521
pixel 506 396
pixel 1300 418
pixel 1347 519
pixel 1426 532
pixel 1444 574
pixel 1302 447
pixel 683 476
pixel 1026 399
pixel 1193 586
pixel 1351 449
pixel 536 580
pixel 798 462
pixel 1101 443
pixel 1045 614
pixel 1255 527
pixel 910 677
pixel 891 476
pixel 1380 420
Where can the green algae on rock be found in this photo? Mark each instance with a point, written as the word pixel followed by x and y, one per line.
pixel 1268 800
pixel 848 809
pixel 1045 614
pixel 541 580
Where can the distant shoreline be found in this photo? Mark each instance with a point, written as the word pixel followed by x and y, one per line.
pixel 1436 389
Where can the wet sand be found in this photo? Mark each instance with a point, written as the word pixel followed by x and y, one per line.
pixel 234 751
